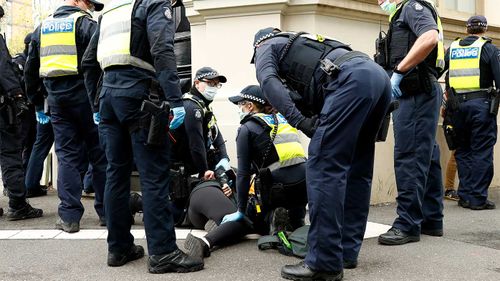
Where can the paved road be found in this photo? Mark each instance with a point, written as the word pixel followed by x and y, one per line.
pixel 470 250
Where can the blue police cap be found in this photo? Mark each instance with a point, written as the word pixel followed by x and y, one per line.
pixel 477 21
pixel 209 74
pixel 251 93
pixel 261 36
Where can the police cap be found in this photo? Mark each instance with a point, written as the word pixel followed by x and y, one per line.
pixel 209 74
pixel 251 93
pixel 97 5
pixel 477 21
pixel 261 36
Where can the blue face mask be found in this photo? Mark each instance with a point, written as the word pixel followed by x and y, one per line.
pixel 209 93
pixel 388 7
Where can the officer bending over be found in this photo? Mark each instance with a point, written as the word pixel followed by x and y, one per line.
pixel 269 146
pixel 12 105
pixel 134 47
pixel 339 98
pixel 199 144
pixel 474 65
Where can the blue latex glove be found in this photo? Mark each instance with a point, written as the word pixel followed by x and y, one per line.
pixel 236 216
pixel 395 81
pixel 179 113
pixel 42 118
pixel 97 118
pixel 224 163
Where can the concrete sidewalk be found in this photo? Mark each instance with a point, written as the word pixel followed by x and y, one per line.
pixel 470 250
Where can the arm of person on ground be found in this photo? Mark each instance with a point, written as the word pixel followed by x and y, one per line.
pixel 161 39
pixel 266 65
pixel 92 70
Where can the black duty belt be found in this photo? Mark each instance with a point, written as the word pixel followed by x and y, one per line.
pixel 463 97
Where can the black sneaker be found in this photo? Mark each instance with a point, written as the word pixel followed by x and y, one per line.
pixel 176 261
pixel 463 203
pixel 26 212
pixel 69 227
pixel 396 236
pixel 488 205
pixel 301 271
pixel 36 192
pixel 350 264
pixel 135 252
pixel 451 194
pixel 196 247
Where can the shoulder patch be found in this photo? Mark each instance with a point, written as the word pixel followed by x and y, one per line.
pixel 418 7
pixel 168 13
pixel 197 114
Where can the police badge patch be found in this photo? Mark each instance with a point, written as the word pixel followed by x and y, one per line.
pixel 168 13
pixel 418 7
pixel 197 114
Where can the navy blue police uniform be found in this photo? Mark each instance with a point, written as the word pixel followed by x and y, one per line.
pixel 124 134
pixel 341 151
pixel 476 129
pixel 71 118
pixel 416 153
pixel 10 146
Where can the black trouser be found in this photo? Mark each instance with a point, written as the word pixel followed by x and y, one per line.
pixel 210 203
pixel 11 160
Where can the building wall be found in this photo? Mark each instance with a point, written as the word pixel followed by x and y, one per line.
pixel 223 30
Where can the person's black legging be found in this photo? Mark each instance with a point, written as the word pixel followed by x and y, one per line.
pixel 210 203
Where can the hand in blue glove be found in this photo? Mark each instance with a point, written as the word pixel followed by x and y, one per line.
pixel 42 118
pixel 395 81
pixel 224 163
pixel 97 118
pixel 236 216
pixel 179 113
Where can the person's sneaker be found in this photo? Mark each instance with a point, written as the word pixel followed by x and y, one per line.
pixel 463 203
pixel 102 221
pixel 196 247
pixel 451 194
pixel 36 192
pixel 176 261
pixel 69 227
pixel 210 225
pixel 26 212
pixel 396 236
pixel 279 221
pixel 135 252
pixel 488 205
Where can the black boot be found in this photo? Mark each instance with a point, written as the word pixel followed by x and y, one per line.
pixel 196 247
pixel 135 252
pixel 176 261
pixel 24 212
pixel 301 271
pixel 396 236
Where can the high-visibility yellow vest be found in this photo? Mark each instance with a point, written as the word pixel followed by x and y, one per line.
pixel 114 36
pixel 58 54
pixel 440 63
pixel 465 66
pixel 286 142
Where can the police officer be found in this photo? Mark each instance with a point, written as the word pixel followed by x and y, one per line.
pixel 135 51
pixel 474 65
pixel 339 98
pixel 57 47
pixel 269 146
pixel 416 55
pixel 11 106
pixel 200 145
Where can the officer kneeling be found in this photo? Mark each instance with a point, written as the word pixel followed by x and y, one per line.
pixel 339 98
pixel 135 51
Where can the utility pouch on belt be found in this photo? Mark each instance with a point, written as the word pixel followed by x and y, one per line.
pixel 8 110
pixel 158 126
pixel 384 127
pixel 381 56
pixel 179 189
pixel 416 82
pixel 494 102
pixel 452 105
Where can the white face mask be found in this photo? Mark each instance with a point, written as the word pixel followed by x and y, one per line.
pixel 242 113
pixel 209 93
pixel 388 7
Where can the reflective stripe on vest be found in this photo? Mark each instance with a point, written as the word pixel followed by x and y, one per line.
pixel 465 65
pixel 440 63
pixel 114 37
pixel 286 142
pixel 58 53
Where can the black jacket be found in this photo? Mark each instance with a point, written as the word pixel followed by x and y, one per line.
pixel 152 40
pixel 65 90
pixel 9 81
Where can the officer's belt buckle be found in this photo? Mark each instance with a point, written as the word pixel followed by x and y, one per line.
pixel 329 67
